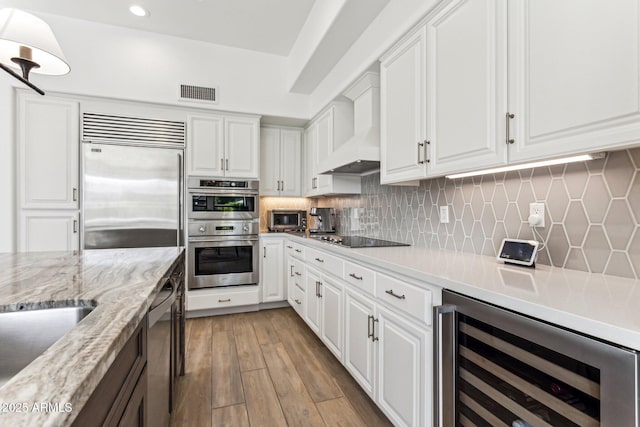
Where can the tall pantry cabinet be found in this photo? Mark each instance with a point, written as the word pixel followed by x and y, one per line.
pixel 48 143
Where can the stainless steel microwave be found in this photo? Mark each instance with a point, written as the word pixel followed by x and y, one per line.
pixel 287 220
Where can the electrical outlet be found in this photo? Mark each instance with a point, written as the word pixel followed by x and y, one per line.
pixel 444 214
pixel 536 210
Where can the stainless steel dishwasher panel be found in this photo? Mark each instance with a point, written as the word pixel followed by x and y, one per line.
pixel 496 367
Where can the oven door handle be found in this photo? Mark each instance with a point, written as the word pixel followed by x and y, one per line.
pixel 438 312
pixel 224 239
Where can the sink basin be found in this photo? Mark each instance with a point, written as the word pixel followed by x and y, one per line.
pixel 25 335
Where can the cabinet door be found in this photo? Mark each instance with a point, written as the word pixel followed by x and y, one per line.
pixel 291 280
pixel 48 146
pixel 331 316
pixel 467 86
pixel 135 412
pixel 324 148
pixel 290 163
pixel 359 355
pixel 242 147
pixel 205 145
pixel 48 231
pixel 403 110
pixel 574 76
pixel 270 162
pixel 272 275
pixel 312 301
pixel 309 180
pixel 404 370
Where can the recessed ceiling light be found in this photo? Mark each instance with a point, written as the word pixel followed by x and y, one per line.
pixel 138 10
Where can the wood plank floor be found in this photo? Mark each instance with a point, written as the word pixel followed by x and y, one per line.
pixel 266 368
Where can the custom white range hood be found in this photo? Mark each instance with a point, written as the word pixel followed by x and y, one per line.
pixel 359 155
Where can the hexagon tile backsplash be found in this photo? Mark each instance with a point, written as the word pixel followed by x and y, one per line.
pixel 592 212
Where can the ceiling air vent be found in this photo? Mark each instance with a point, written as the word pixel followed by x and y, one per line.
pixel 199 93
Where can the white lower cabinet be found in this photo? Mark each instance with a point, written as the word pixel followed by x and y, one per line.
pixel 331 331
pixel 378 327
pixel 359 347
pixel 312 280
pixel 271 274
pixel 404 369
pixel 48 231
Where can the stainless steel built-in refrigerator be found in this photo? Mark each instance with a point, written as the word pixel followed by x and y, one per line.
pixel 131 196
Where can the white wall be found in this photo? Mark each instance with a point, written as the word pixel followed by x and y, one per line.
pixel 123 63
pixel 116 62
pixel 7 166
pixel 388 27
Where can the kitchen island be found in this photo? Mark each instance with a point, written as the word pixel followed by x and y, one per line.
pixel 119 283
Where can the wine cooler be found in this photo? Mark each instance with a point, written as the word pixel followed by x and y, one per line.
pixel 496 368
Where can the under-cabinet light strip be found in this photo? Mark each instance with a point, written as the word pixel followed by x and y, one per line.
pixel 560 161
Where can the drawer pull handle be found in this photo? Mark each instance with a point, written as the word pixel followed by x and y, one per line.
pixel 369 326
pixel 225 300
pixel 355 276
pixel 393 294
pixel 298 273
pixel 297 301
pixel 289 247
pixel 319 260
pixel 298 250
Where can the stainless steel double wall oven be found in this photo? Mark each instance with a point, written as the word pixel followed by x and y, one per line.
pixel 223 227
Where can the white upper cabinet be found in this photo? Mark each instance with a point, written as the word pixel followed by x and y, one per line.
pixel 574 76
pixel 48 147
pixel 223 146
pixel 479 84
pixel 280 161
pixel 466 86
pixel 205 145
pixel 403 110
pixel 327 132
pixel 242 147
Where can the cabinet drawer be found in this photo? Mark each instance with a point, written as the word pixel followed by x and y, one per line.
pixel 414 301
pixel 203 299
pixel 324 261
pixel 298 299
pixel 359 276
pixel 294 249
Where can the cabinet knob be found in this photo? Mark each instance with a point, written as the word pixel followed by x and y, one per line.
pixel 202 229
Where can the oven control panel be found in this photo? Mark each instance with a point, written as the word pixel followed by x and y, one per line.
pixel 223 228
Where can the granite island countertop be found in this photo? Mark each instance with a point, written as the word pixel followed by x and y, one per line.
pixel 602 306
pixel 120 283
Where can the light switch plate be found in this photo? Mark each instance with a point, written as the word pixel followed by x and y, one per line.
pixel 444 214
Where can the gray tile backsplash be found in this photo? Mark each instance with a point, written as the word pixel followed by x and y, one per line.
pixel 592 212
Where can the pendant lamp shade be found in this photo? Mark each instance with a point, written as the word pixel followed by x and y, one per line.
pixel 27 38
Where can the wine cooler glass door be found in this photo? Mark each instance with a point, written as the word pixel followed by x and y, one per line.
pixel 511 370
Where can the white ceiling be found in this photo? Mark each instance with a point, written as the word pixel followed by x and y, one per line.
pixel 269 26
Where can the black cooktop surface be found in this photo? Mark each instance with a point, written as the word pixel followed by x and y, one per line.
pixel 358 241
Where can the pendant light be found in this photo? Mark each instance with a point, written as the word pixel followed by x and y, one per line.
pixel 28 43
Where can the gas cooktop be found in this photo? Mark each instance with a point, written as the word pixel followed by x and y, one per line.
pixel 357 241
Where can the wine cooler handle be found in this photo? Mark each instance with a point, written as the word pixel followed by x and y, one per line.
pixel 438 312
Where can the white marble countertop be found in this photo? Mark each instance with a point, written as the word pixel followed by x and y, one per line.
pixel 605 307
pixel 120 282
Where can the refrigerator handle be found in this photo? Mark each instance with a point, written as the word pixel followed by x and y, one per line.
pixel 179 227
